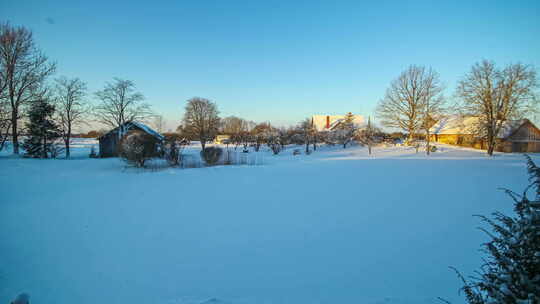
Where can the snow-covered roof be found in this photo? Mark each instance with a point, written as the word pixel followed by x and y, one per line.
pixel 328 122
pixel 148 130
pixel 469 125
pixel 141 126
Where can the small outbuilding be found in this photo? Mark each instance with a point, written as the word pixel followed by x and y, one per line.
pixel 110 141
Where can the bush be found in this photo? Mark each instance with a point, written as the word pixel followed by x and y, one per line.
pixel 211 155
pixel 276 148
pixel 136 148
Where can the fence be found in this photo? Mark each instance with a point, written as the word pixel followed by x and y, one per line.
pixel 235 158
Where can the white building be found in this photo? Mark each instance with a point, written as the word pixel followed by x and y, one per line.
pixel 328 122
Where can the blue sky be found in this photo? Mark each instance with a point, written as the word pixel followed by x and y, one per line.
pixel 278 61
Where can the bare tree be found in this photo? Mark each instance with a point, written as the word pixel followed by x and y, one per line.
pixel 402 106
pixel 233 125
pixel 23 70
pixel 306 129
pixel 366 136
pixel 5 122
pixel 71 106
pixel 201 119
pixel 432 103
pixel 496 96
pixel 119 103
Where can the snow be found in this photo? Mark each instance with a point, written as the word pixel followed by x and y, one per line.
pixel 336 226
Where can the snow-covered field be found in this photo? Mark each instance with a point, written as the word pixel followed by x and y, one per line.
pixel 337 226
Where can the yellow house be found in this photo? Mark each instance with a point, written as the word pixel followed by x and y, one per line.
pixel 222 139
pixel 515 136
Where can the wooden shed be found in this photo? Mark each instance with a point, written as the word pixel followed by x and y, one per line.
pixel 515 136
pixel 109 142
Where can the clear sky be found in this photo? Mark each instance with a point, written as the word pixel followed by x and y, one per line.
pixel 278 61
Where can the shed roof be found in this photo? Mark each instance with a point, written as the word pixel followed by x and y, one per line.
pixel 133 124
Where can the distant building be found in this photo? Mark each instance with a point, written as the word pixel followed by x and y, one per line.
pixel 329 122
pixel 222 139
pixel 515 136
pixel 109 142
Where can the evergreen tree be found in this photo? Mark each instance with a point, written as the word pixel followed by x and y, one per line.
pixel 511 273
pixel 42 130
pixel 345 131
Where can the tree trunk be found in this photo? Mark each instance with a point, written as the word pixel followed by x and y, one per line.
pixel 67 147
pixel 490 142
pixel 203 144
pixel 44 148
pixel 14 131
pixel 410 138
pixel 67 141
pixel 428 142
pixel 491 147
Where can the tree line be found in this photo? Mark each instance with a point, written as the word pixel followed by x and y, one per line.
pixel 46 109
pixel 201 122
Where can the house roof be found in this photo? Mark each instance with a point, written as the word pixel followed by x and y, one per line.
pixel 131 124
pixel 319 121
pixel 468 125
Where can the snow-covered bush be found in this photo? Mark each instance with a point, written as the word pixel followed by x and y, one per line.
pixel 211 155
pixel 511 272
pixel 136 148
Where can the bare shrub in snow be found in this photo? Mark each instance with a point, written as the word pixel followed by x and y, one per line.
pixel 136 148
pixel 172 151
pixel 211 155
pixel 511 272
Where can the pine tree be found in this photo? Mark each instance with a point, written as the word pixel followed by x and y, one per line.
pixel 346 130
pixel 511 273
pixel 42 130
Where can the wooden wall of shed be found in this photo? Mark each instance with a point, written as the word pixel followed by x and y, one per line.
pixel 108 145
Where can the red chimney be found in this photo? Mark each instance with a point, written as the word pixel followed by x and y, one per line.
pixel 327 122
